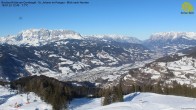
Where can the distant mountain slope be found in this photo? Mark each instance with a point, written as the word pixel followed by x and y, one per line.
pixel 191 50
pixel 171 42
pixel 67 57
pixel 117 38
pixel 179 68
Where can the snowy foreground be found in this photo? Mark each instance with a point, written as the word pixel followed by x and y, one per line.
pixel 138 101
pixel 11 101
pixel 133 101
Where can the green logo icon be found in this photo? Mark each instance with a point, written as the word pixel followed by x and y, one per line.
pixel 187 8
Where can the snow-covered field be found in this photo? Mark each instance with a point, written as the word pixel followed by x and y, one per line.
pixel 11 101
pixel 138 101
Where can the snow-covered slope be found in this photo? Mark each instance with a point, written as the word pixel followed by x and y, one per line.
pixel 180 69
pixel 9 100
pixel 137 101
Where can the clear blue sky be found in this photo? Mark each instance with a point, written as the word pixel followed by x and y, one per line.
pixel 137 18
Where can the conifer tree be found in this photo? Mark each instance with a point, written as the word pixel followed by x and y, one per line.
pixel 107 97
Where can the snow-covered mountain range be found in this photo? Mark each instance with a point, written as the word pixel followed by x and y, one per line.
pixel 39 37
pixel 173 35
pixel 171 42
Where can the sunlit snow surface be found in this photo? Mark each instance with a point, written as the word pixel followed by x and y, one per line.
pixel 137 101
pixel 9 100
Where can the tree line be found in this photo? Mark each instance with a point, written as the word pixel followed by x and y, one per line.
pixel 173 88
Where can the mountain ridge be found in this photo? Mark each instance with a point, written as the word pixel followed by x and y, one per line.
pixel 171 42
pixel 38 37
